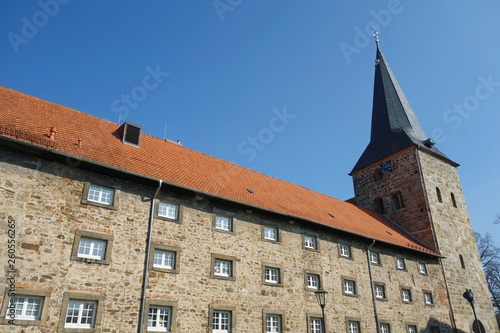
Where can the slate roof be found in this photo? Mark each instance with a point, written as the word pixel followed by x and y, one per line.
pixel 394 124
pixel 28 119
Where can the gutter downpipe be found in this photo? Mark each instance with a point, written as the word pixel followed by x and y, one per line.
pixel 373 286
pixel 148 250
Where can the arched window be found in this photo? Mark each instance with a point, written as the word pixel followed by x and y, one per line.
pixel 396 201
pixel 438 193
pixel 377 175
pixel 379 205
pixel 475 329
pixel 462 261
pixel 453 201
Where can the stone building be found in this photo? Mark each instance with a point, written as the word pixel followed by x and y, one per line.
pixel 107 229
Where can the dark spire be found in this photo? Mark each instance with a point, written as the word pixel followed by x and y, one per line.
pixel 394 124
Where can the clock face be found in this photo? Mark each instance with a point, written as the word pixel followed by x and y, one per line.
pixel 386 167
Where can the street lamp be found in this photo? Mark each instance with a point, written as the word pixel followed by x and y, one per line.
pixel 469 296
pixel 321 295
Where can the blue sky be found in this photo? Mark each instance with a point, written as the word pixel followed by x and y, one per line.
pixel 281 87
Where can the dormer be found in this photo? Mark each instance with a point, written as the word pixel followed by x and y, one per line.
pixel 130 134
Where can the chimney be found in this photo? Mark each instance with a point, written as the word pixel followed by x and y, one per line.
pixel 52 135
pixel 79 143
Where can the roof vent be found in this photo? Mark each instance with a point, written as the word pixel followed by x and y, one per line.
pixel 429 143
pixel 130 134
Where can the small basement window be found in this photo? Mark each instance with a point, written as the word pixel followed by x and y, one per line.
pixel 130 134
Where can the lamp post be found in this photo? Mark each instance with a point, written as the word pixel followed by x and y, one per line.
pixel 469 296
pixel 321 295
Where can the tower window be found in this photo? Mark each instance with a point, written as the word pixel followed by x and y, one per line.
pixel 396 201
pixel 453 201
pixel 379 205
pixel 377 175
pixel 438 193
pixel 462 261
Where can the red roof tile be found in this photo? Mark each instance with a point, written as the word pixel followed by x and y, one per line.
pixel 29 119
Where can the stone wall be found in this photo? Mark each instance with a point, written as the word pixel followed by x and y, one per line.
pixel 45 200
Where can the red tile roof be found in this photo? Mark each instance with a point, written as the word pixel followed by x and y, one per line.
pixel 29 119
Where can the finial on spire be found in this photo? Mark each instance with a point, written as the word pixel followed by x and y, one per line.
pixel 375 34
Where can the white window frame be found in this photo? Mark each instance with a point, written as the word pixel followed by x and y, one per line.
pixel 400 264
pixel 28 301
pixel 161 255
pixel 406 295
pixel 349 287
pixel 273 323
pixel 168 210
pixel 272 275
pixel 412 328
pixel 101 195
pixel 221 321
pixel 156 323
pixel 422 268
pixel 385 328
pixel 345 251
pixel 94 243
pixel 271 233
pixel 310 242
pixel 374 258
pixel 92 306
pixel 428 298
pixel 316 325
pixel 379 291
pixel 223 222
pixel 353 326
pixel 313 281
pixel 223 268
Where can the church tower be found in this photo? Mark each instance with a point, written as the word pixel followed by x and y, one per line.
pixel 403 176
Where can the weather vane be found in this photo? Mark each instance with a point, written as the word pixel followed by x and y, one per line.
pixel 375 33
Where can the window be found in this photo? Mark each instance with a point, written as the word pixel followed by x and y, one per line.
pixel 80 314
pixel 379 205
pixel 428 298
pixel 349 287
pixel 159 315
pixel 422 269
pixel 100 196
pixel 412 328
pixel 221 322
pixel 345 251
pixel 310 242
pixel 273 323
pixel 81 310
pixel 438 194
pixel 315 325
pixel 270 233
pixel 385 328
pixel 312 281
pixel 223 267
pixel 168 210
pixel 353 326
pixel 272 274
pixel 380 291
pixel 396 201
pixel 406 295
pixel 377 175
pixel 27 307
pixel 159 318
pixel 92 246
pixel 400 264
pixel 453 201
pixel 462 263
pixel 164 258
pixel 374 258
pixel 223 223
